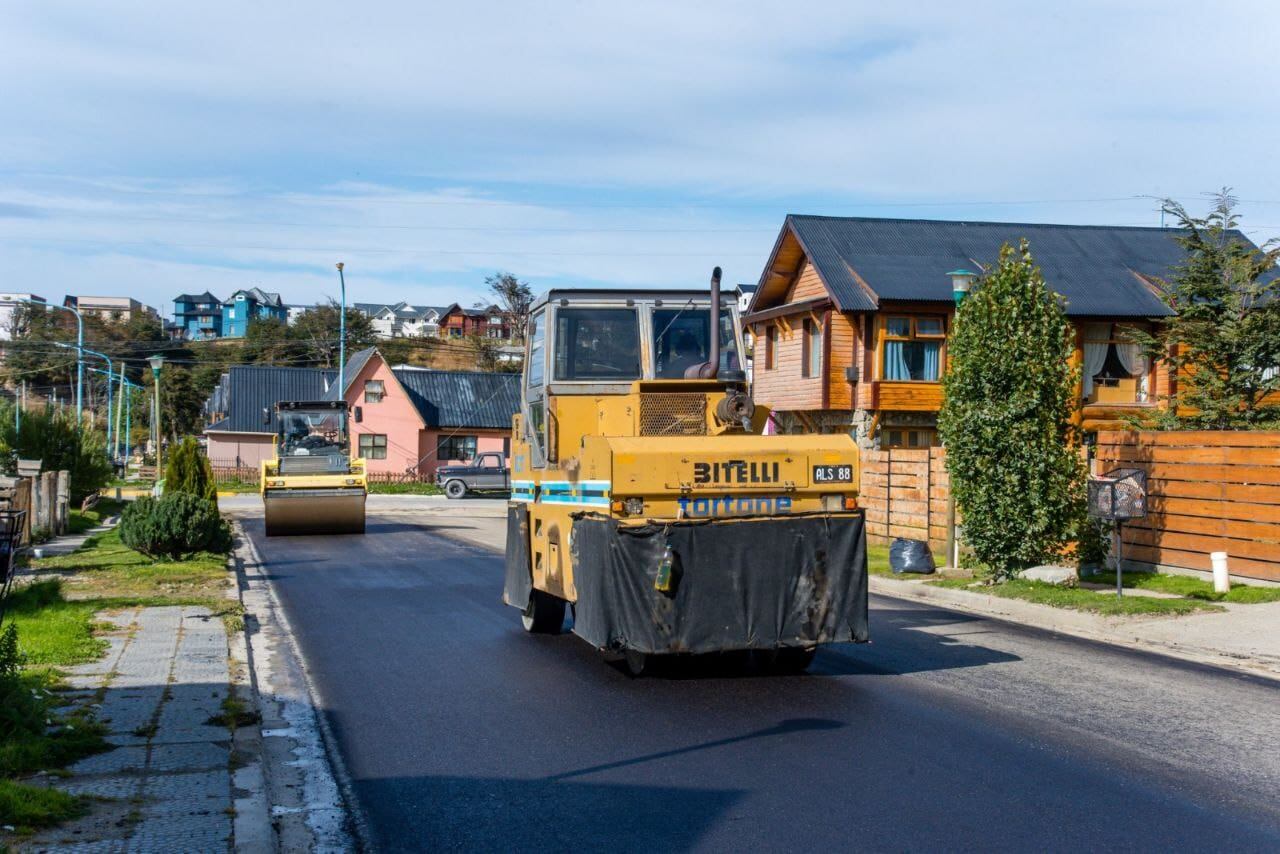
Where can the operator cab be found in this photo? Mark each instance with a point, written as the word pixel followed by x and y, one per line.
pixel 312 437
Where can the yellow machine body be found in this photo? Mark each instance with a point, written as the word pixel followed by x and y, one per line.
pixel 320 493
pixel 655 504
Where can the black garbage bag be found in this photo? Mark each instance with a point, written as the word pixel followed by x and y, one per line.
pixel 910 556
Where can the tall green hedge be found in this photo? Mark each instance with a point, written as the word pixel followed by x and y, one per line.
pixel 187 470
pixel 1009 395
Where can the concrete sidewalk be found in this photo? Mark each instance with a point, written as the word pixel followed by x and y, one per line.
pixel 167 784
pixel 1244 637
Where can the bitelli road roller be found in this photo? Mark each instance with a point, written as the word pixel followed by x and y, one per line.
pixel 313 486
pixel 645 496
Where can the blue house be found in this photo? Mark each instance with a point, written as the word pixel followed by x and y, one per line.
pixel 245 305
pixel 198 316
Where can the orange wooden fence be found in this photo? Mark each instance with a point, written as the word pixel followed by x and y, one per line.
pixel 904 493
pixel 1208 491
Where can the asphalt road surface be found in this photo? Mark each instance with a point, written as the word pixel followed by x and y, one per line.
pixel 948 731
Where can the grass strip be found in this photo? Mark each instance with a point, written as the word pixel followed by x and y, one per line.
pixel 1188 586
pixel 1077 598
pixel 27 808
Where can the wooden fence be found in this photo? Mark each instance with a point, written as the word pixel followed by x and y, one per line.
pixel 1207 491
pixel 905 494
pixel 227 473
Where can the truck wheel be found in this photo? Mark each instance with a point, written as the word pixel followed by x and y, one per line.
pixel 455 489
pixel 544 615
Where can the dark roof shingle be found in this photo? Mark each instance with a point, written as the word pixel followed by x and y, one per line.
pixel 251 388
pixel 1098 269
pixel 466 399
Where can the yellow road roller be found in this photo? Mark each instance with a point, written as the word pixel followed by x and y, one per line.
pixel 313 486
pixel 646 497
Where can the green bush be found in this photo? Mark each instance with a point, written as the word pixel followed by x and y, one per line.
pixel 1009 395
pixel 21 711
pixel 56 440
pixel 175 526
pixel 187 470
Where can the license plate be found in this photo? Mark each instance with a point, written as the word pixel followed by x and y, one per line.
pixel 833 474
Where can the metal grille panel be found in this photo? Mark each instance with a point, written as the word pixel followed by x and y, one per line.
pixel 673 414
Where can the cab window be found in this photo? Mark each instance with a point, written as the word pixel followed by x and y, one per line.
pixel 537 336
pixel 682 340
pixel 600 344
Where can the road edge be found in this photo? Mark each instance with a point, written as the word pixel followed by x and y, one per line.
pixel 1065 621
pixel 264 612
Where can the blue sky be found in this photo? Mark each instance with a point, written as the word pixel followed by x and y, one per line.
pixel 151 149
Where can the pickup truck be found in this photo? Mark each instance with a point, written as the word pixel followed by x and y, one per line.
pixel 488 472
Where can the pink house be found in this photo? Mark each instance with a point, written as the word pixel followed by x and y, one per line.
pixel 413 420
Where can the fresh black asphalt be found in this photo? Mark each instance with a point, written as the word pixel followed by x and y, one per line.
pixel 947 732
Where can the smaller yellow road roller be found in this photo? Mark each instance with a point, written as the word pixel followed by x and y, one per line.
pixel 313 486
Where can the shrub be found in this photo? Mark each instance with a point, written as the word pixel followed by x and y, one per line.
pixel 175 526
pixel 1008 398
pixel 56 440
pixel 187 470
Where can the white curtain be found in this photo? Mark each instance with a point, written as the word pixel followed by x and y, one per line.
pixel 1135 362
pixel 1096 341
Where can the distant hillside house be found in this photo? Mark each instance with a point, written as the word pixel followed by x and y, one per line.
pixel 245 305
pixel 199 316
pixel 402 320
pixel 416 419
pixel 108 308
pixel 458 322
pixel 9 305
pixel 851 315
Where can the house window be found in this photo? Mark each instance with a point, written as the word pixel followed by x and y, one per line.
pixel 770 346
pixel 373 446
pixel 456 448
pixel 231 314
pixel 1115 368
pixel 373 391
pixel 913 349
pixel 812 364
pixel 908 437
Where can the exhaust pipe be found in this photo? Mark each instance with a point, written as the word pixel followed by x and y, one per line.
pixel 712 369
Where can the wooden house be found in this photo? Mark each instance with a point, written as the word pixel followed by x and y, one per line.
pixel 850 318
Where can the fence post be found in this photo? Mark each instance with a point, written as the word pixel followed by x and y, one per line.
pixel 48 494
pixel 64 501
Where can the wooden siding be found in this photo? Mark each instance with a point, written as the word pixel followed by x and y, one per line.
pixel 905 493
pixel 842 348
pixel 807 285
pixel 783 387
pixel 1207 491
pixel 907 396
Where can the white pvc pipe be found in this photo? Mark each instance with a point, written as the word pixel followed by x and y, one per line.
pixel 1221 577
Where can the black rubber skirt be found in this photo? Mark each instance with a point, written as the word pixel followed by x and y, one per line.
pixel 761 583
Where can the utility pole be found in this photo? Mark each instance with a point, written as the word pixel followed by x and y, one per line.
pixel 115 452
pixel 342 336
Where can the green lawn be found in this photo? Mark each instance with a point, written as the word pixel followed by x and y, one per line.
pixel 404 489
pixel 878 560
pixel 1079 599
pixel 1188 586
pixel 80 521
pixel 55 620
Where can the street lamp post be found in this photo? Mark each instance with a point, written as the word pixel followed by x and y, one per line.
pixel 79 348
pixel 110 373
pixel 157 362
pixel 961 283
pixel 342 335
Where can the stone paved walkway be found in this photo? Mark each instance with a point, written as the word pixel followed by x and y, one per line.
pixel 167 784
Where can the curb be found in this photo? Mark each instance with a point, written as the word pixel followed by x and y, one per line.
pixel 1109 630
pixel 325 810
pixel 251 826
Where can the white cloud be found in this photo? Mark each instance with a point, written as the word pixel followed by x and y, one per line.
pixel 325 130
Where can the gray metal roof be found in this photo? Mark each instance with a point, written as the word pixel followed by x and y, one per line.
pixel 1096 268
pixel 251 388
pixel 464 399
